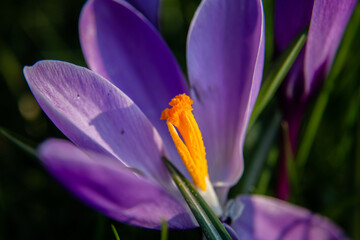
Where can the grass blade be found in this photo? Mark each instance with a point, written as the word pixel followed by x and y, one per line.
pixel 164 230
pixel 322 100
pixel 115 232
pixel 276 76
pixel 250 178
pixel 212 227
pixel 19 141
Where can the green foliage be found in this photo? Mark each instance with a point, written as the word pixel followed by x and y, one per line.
pixel 115 232
pixel 210 224
pixel 276 76
pixel 164 230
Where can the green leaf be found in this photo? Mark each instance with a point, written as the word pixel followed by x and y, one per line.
pixel 322 100
pixel 255 166
pixel 164 230
pixel 312 127
pixel 262 187
pixel 356 230
pixel 276 76
pixel 115 232
pixel 291 164
pixel 208 221
pixel 20 141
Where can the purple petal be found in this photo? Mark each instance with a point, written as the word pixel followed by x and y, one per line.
pixel 328 20
pixel 225 61
pixel 291 17
pixel 328 23
pixel 97 116
pixel 150 9
pixel 293 116
pixel 231 232
pixel 121 45
pixel 112 189
pixel 283 182
pixel 270 218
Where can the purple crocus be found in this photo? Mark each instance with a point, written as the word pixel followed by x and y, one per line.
pixel 268 218
pixel 111 114
pixel 327 21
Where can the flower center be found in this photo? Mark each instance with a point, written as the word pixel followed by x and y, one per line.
pixel 192 152
pixel 191 149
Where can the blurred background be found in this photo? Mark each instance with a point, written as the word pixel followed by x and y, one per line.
pixel 34 206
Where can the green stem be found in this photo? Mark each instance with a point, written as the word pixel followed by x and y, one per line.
pixel 115 232
pixel 164 230
pixel 356 229
pixel 312 127
pixel 19 141
pixel 276 76
pixel 211 226
pixel 323 98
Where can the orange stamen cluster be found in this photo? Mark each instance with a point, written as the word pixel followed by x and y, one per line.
pixel 191 150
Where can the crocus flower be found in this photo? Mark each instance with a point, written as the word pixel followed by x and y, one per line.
pixel 268 218
pixel 327 21
pixel 112 116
